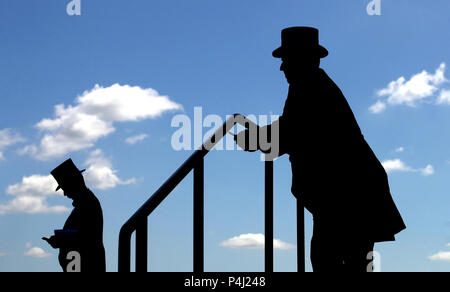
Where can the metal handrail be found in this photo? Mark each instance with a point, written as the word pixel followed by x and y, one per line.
pixel 139 221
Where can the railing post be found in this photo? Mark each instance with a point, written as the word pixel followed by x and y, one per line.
pixel 124 251
pixel 139 222
pixel 142 245
pixel 268 242
pixel 300 236
pixel 199 217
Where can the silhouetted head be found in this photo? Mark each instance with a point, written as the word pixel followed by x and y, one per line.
pixel 69 178
pixel 300 52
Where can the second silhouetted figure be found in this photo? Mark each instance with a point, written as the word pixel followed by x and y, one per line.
pixel 83 230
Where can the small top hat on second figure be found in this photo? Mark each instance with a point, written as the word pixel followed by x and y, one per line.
pixel 67 174
pixel 300 40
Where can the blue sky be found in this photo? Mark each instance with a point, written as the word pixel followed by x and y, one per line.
pixel 167 57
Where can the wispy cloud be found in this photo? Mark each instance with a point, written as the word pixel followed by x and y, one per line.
pixel 8 138
pixel 378 107
pixel 30 205
pixel 397 165
pixel 79 126
pixel 428 170
pixel 422 87
pixel 135 139
pixel 36 252
pixel 442 256
pixel 400 149
pixel 444 97
pixel 100 173
pixel 254 241
pixel 31 196
pixel 35 185
pixel 32 193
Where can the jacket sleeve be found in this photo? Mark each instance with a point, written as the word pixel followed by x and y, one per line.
pixel 88 227
pixel 273 139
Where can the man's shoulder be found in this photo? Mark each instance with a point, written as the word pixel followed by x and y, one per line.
pixel 326 79
pixel 89 198
pixel 317 83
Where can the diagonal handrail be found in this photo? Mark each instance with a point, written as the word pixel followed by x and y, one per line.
pixel 138 222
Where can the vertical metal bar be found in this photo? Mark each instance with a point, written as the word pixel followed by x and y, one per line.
pixel 124 252
pixel 142 245
pixel 268 248
pixel 300 236
pixel 199 217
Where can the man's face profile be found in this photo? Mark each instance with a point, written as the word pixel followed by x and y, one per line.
pixel 297 66
pixel 68 192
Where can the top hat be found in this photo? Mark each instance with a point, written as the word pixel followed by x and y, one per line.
pixel 300 40
pixel 66 173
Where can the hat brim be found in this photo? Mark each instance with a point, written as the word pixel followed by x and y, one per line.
pixel 59 187
pixel 282 52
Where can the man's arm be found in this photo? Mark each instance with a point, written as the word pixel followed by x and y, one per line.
pixel 64 239
pixel 270 139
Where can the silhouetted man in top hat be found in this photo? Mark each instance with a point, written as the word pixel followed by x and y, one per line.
pixel 83 230
pixel 334 172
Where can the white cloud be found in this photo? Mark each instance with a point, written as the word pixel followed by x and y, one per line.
pixel 35 185
pixel 253 241
pixel 396 165
pixel 442 256
pixel 30 205
pixel 444 97
pixel 400 149
pixel 421 87
pixel 100 173
pixel 428 170
pixel 32 192
pixel 31 196
pixel 93 116
pixel 378 107
pixel 37 252
pixel 8 138
pixel 135 139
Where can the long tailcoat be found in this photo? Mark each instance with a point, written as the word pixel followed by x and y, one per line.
pixel 87 220
pixel 335 172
